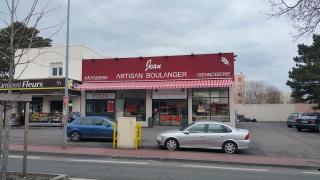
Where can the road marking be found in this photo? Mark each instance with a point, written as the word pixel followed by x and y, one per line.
pixel 107 162
pixel 80 160
pixel 20 157
pixel 226 168
pixel 311 172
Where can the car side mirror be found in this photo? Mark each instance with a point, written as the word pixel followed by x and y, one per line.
pixel 186 132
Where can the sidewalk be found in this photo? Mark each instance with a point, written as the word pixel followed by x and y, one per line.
pixel 157 154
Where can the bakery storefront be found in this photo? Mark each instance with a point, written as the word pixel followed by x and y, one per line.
pixel 172 90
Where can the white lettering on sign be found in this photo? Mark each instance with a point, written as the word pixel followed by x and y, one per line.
pixel 214 74
pixel 23 84
pixel 166 75
pixel 150 66
pixel 129 76
pixel 27 84
pixel 95 78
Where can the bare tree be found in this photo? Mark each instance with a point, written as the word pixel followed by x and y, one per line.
pixel 12 57
pixel 255 92
pixel 303 14
pixel 273 95
pixel 258 92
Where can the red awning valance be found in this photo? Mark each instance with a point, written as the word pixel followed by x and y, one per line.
pixel 156 84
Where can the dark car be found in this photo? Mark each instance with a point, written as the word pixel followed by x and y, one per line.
pixel 292 119
pixel 310 122
pixel 90 127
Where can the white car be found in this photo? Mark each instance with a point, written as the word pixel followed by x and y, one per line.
pixel 206 135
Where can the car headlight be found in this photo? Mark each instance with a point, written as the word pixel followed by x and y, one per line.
pixel 159 138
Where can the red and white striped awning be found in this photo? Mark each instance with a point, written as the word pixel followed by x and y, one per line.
pixel 205 83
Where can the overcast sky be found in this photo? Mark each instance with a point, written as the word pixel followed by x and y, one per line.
pixel 130 28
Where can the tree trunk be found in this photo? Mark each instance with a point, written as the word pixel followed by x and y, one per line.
pixel 5 151
pixel 25 145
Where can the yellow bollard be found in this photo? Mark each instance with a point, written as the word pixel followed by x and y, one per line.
pixel 114 144
pixel 138 136
pixel 140 129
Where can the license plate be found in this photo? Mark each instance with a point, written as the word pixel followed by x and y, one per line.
pixel 305 122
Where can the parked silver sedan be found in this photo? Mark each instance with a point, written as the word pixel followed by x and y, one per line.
pixel 207 135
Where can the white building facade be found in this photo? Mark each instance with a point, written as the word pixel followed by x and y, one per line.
pixel 40 72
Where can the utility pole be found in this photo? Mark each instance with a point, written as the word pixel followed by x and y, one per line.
pixel 66 85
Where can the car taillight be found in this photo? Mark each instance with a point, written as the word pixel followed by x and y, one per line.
pixel 247 137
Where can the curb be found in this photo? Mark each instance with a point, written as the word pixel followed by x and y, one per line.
pixel 312 167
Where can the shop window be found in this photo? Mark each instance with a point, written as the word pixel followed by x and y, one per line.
pixel 169 112
pixel 36 104
pixel 100 107
pixel 134 103
pixel 213 106
pixel 135 108
pixel 56 69
pixel 56 106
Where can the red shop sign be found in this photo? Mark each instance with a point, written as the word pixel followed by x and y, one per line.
pixel 110 106
pixel 203 66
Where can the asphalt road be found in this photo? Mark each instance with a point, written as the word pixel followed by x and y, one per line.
pixel 268 139
pixel 79 167
pixel 277 140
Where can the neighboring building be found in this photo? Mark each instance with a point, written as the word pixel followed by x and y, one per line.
pixel 240 85
pixel 41 73
pixel 171 90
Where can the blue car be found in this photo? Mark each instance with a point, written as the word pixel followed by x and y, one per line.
pixel 90 127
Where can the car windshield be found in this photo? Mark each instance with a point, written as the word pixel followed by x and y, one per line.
pixel 186 127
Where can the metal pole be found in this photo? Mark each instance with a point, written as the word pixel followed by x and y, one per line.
pixel 25 144
pixel 66 85
pixel 2 116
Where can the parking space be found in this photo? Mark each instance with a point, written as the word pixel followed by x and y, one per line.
pixel 276 139
pixel 268 139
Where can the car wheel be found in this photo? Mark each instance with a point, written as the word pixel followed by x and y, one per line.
pixel 299 129
pixel 230 147
pixel 75 136
pixel 171 144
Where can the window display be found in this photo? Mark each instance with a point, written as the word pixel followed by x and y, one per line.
pixel 210 104
pixel 135 108
pixel 134 103
pixel 170 112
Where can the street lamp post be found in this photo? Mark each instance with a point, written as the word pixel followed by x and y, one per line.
pixel 66 85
